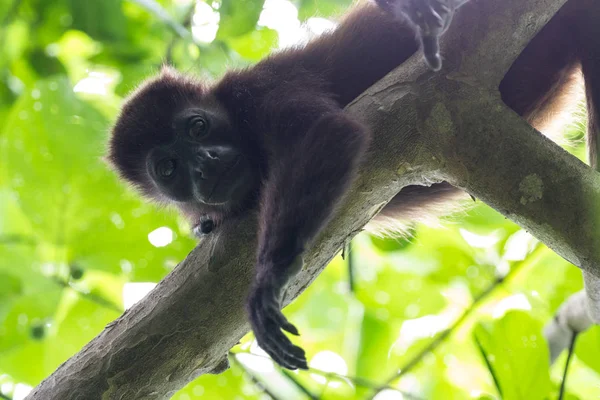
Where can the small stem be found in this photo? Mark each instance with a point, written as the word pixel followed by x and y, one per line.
pixel 252 377
pixel 414 361
pixel 17 239
pixel 101 301
pixel 563 384
pixel 300 386
pixel 339 377
pixel 351 268
pixel 187 24
pixel 14 7
pixel 158 11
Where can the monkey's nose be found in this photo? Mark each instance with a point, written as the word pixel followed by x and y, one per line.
pixel 207 155
pixel 198 170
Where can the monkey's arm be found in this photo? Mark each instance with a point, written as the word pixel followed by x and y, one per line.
pixel 307 178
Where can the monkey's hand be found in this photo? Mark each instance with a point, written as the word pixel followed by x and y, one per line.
pixel 431 18
pixel 268 322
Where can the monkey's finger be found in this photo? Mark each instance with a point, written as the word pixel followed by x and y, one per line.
pixel 278 358
pixel 289 327
pixel 443 8
pixel 267 329
pixel 262 335
pixel 284 359
pixel 278 346
pixel 431 51
pixel 438 20
pixel 282 321
pixel 273 309
pixel 282 355
pixel 275 326
pixel 265 318
pixel 281 344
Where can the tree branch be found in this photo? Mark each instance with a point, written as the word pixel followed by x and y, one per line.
pixel 428 127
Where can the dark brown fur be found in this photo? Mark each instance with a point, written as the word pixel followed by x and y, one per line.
pixel 288 113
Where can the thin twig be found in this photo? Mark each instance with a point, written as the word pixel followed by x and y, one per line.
pixel 5 397
pixel 488 364
pixel 299 386
pixel 563 384
pixel 101 301
pixel 362 382
pixel 252 377
pixel 414 361
pixel 158 11
pixel 351 269
pixel 14 7
pixel 187 24
pixel 11 239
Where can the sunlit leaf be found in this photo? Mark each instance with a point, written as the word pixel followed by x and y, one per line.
pixel 588 348
pixel 101 19
pixel 254 45
pixel 238 17
pixel 57 140
pixel 517 356
pixel 321 8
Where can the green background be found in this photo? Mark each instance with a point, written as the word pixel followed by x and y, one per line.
pixel 458 307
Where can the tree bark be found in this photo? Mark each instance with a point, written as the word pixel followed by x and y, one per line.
pixel 428 127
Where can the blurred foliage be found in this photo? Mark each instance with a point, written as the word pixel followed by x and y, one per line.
pixel 77 246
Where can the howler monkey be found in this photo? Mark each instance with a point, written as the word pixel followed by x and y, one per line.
pixel 275 136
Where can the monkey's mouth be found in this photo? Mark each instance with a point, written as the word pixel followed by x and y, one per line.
pixel 222 179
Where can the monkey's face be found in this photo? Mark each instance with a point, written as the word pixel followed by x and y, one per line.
pixel 177 144
pixel 204 163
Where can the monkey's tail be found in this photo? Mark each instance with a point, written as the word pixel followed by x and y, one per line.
pixel 591 71
pixel 417 204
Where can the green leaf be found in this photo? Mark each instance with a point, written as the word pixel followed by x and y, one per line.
pixel 322 8
pixel 54 142
pixel 389 244
pixel 587 348
pixel 227 385
pixel 71 322
pixel 159 12
pixel 238 17
pixel 44 65
pixel 101 19
pixel 23 312
pixel 254 45
pixel 556 287
pixel 516 355
pixel 10 286
pixel 376 337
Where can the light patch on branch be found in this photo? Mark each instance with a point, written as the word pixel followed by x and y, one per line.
pixel 531 188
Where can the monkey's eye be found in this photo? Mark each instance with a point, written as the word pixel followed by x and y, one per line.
pixel 166 168
pixel 197 127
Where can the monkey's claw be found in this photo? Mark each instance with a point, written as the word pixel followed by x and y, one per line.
pixel 432 18
pixel 268 324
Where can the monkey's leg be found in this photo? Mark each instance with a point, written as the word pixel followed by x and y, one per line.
pixel 307 180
